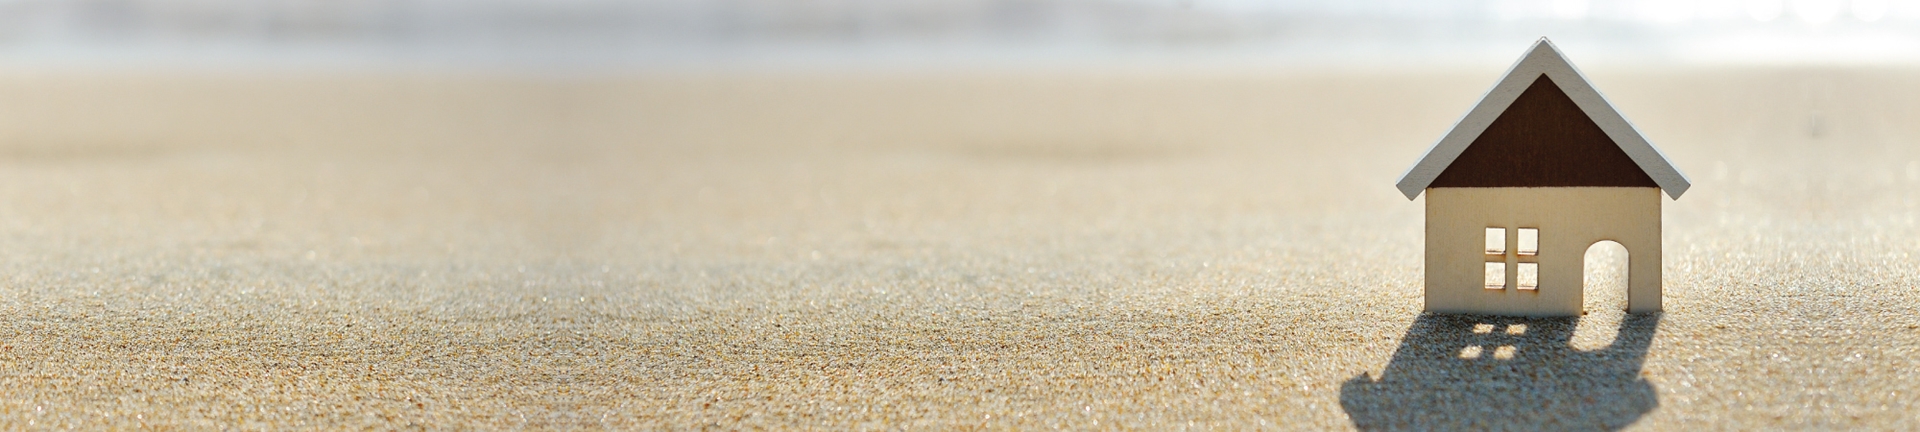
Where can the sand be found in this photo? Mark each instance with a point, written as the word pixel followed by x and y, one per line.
pixel 1226 251
pixel 1075 249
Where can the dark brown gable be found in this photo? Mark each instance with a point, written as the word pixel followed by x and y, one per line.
pixel 1543 140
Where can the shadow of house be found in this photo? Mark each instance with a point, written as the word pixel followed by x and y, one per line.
pixel 1465 372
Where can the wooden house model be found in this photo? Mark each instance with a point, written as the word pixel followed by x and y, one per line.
pixel 1540 170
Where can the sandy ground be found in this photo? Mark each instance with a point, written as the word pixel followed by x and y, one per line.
pixel 1226 250
pixel 238 252
pixel 910 250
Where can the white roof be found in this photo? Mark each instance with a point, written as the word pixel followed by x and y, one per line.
pixel 1543 58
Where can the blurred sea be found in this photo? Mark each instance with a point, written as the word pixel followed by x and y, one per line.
pixel 602 35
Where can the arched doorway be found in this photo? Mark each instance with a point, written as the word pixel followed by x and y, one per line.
pixel 1603 295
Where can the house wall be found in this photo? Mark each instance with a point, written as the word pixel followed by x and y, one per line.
pixel 1570 219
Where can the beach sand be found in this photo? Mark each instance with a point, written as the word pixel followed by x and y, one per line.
pixel 1076 249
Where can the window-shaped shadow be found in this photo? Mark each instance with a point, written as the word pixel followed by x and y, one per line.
pixel 1464 372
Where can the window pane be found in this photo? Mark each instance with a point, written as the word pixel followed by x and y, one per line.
pixel 1496 240
pixel 1529 276
pixel 1496 275
pixel 1529 241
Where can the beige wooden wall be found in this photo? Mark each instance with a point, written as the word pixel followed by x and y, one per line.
pixel 1570 220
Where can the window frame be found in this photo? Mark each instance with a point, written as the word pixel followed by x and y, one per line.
pixel 1510 258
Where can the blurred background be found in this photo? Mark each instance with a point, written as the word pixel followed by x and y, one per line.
pixel 600 34
pixel 533 212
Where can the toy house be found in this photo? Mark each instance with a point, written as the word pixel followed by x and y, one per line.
pixel 1541 169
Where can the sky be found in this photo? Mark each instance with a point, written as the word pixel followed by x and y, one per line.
pixel 656 34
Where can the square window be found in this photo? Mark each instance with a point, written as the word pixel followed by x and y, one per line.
pixel 1496 241
pixel 1529 241
pixel 1496 275
pixel 1529 276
